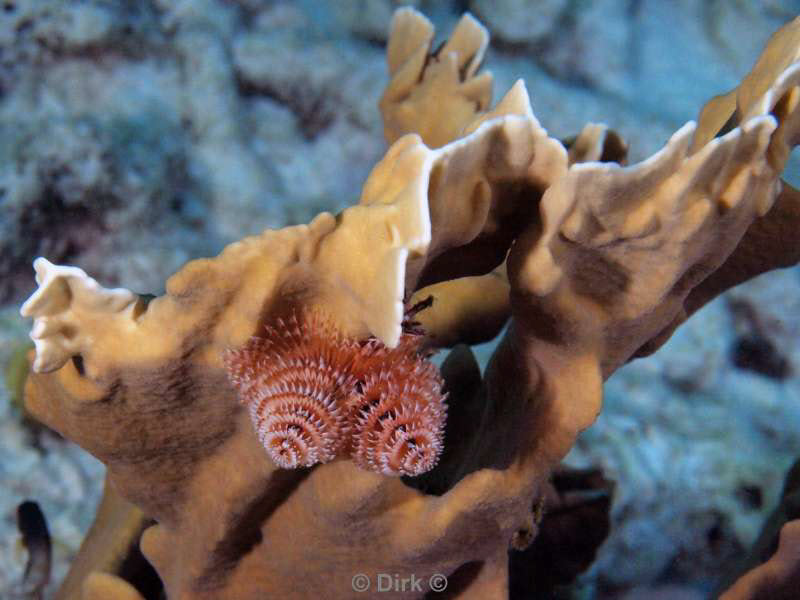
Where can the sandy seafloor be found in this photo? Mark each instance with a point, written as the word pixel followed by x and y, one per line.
pixel 136 135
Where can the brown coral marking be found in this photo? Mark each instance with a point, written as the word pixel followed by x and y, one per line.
pixel 293 378
pixel 245 528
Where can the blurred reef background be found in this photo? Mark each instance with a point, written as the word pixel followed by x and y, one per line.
pixel 136 135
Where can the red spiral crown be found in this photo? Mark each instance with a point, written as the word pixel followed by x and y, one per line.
pixel 398 412
pixel 293 378
pixel 314 395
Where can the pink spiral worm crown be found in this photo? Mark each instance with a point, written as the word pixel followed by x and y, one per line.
pixel 398 411
pixel 314 394
pixel 294 378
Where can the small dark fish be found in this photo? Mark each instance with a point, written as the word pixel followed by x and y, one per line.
pixel 36 539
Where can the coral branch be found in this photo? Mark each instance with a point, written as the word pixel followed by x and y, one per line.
pixel 66 306
pixel 777 578
pixel 434 95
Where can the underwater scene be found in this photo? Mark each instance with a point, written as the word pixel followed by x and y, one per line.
pixel 381 299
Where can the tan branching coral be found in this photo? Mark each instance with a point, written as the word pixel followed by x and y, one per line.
pixel 108 549
pixel 622 246
pixel 597 143
pixel 434 95
pixel 778 577
pixel 68 305
pixel 723 113
pixel 485 212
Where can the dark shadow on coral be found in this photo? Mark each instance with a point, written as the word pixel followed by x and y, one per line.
pixel 520 208
pixel 463 382
pixel 575 524
pixel 36 538
pixel 459 581
pixel 244 531
pixel 136 570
